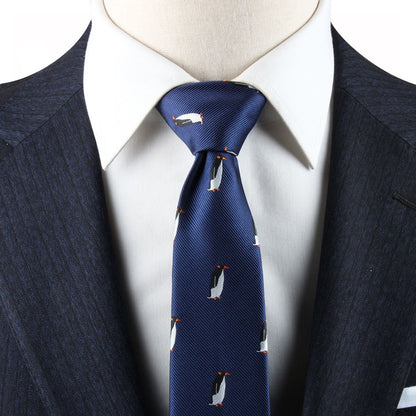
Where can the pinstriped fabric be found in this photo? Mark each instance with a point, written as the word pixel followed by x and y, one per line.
pixel 61 290
pixel 365 352
pixel 4 148
pixel 63 283
pixel 386 97
pixel 363 342
pixel 18 395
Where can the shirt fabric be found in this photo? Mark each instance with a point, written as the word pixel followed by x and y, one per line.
pixel 284 170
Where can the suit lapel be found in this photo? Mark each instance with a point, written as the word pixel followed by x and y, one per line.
pixel 59 281
pixel 363 342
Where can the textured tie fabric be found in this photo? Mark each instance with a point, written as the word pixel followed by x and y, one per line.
pixel 218 344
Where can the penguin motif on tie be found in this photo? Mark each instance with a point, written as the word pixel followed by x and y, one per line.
pixel 218 389
pixel 216 174
pixel 217 282
pixel 177 215
pixel 187 119
pixel 173 322
pixel 263 338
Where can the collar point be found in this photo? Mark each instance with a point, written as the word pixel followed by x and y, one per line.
pixel 105 160
pixel 311 161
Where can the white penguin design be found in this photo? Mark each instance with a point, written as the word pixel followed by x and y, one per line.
pixel 263 338
pixel 187 119
pixel 256 238
pixel 217 282
pixel 218 389
pixel 173 322
pixel 216 174
pixel 178 212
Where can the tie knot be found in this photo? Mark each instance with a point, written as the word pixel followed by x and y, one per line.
pixel 212 115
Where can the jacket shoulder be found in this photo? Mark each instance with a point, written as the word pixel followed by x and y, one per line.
pixel 27 103
pixel 391 100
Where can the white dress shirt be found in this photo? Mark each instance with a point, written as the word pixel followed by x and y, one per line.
pixel 284 170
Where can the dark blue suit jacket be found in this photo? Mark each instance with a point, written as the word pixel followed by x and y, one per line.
pixel 65 347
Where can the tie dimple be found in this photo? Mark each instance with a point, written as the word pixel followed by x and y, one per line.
pixel 218 324
pixel 216 114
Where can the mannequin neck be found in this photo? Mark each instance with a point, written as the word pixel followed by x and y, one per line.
pixel 210 40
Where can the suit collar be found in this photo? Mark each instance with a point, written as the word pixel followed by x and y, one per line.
pixel 124 79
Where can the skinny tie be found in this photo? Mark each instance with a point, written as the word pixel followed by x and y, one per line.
pixel 218 361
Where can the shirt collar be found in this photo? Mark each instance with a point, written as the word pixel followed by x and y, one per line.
pixel 124 80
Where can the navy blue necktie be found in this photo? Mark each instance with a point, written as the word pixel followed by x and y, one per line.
pixel 218 362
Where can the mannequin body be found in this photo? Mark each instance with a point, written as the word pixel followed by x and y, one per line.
pixel 214 40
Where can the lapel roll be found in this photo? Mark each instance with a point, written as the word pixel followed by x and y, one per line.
pixel 59 280
pixel 364 322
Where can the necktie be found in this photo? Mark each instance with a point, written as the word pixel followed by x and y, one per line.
pixel 218 361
